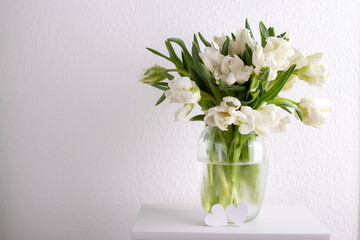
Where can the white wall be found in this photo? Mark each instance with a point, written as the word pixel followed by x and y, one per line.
pixel 82 145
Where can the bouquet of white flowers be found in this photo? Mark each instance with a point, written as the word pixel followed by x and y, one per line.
pixel 236 81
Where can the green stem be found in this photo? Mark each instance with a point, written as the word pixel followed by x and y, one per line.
pixel 179 71
pixel 281 98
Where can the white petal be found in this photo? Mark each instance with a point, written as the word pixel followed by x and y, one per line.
pixel 183 112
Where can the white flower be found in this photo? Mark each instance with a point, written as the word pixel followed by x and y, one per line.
pixel 224 115
pixel 247 121
pixel 265 120
pixel 212 59
pixel 258 58
pixel 315 72
pixel 237 46
pixel 315 111
pixel 275 119
pixel 298 58
pixel 183 90
pixel 234 70
pixel 275 56
pixel 276 53
pixel 184 111
pixel 290 82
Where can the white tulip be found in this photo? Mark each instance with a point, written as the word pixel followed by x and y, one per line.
pixel 276 118
pixel 234 70
pixel 224 115
pixel 237 46
pixel 265 120
pixel 184 111
pixel 315 111
pixel 276 53
pixel 212 59
pixel 315 72
pixel 275 56
pixel 183 90
pixel 298 58
pixel 258 58
pixel 290 82
pixel 247 121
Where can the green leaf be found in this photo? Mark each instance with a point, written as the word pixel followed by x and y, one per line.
pixel 168 75
pixel 264 33
pixel 159 54
pixel 173 55
pixel 194 76
pixel 281 35
pixel 237 88
pixel 204 105
pixel 216 92
pixel 286 109
pixel 264 74
pixel 254 83
pixel 159 86
pixel 187 55
pixel 247 26
pixel 271 32
pixel 247 55
pixel 225 47
pixel 185 64
pixel 161 99
pixel 206 43
pixel 298 112
pixel 203 73
pixel 277 86
pixel 233 37
pixel 254 96
pixel 206 72
pixel 282 102
pixel 195 39
pixel 223 86
pixel 197 118
pixel 163 84
pixel 207 97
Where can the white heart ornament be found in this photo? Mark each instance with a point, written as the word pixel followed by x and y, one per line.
pixel 217 217
pixel 237 214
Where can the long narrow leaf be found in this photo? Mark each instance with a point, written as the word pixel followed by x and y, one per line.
pixel 282 102
pixel 247 26
pixel 206 43
pixel 225 47
pixel 223 86
pixel 254 96
pixel 238 88
pixel 168 75
pixel 161 99
pixel 197 118
pixel 159 54
pixel 271 32
pixel 158 86
pixel 172 53
pixel 264 33
pixel 187 55
pixel 195 39
pixel 298 112
pixel 204 77
pixel 278 85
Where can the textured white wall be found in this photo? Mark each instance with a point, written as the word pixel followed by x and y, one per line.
pixel 82 144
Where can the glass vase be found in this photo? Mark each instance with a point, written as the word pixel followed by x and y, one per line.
pixel 233 169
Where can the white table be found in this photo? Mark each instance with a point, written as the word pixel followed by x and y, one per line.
pixel 156 222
